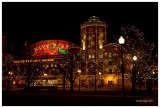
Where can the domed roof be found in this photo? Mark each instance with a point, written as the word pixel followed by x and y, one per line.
pixel 49 48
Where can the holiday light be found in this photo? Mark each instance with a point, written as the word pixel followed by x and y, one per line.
pixel 63 51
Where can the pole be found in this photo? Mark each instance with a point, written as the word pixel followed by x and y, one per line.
pixel 95 79
pixel 122 74
pixel 100 82
pixel 135 77
pixel 79 82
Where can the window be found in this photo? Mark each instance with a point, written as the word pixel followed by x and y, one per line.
pixel 83 56
pixel 110 71
pixel 110 62
pixel 100 29
pixel 110 54
pixel 92 56
pixel 90 29
pixel 51 65
pixel 101 56
pixel 89 56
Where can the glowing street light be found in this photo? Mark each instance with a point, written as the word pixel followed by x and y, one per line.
pixel 134 58
pixel 121 42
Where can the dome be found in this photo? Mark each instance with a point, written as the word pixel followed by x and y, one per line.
pixel 49 48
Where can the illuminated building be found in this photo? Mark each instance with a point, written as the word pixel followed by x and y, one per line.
pixel 48 54
pixel 93 39
pixel 95 55
pixel 99 56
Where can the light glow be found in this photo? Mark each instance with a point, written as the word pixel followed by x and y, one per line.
pixel 79 71
pixel 134 58
pixel 45 74
pixel 121 40
pixel 63 51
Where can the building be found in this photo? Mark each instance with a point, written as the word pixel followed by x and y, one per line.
pixel 98 61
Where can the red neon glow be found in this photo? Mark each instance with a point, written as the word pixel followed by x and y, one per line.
pixel 52 52
pixel 47 51
pixel 51 47
pixel 40 53
pixel 35 53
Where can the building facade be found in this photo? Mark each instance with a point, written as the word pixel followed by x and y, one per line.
pixel 96 62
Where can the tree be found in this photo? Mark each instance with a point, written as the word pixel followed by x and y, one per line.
pixel 70 69
pixel 30 69
pixel 7 68
pixel 136 45
pixel 62 72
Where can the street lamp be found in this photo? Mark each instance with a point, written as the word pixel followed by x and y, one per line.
pixel 79 71
pixel 134 73
pixel 100 80
pixel 121 42
pixel 134 58
pixel 9 78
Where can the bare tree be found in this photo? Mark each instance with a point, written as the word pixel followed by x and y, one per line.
pixel 136 45
pixel 7 68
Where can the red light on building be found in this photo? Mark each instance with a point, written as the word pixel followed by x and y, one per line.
pixel 49 48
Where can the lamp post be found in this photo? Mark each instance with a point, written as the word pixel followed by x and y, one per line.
pixel 9 78
pixel 121 42
pixel 79 71
pixel 100 80
pixel 153 78
pixel 134 73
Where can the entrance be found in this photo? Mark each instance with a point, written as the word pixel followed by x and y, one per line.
pixel 110 84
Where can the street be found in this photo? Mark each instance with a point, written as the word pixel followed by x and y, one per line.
pixel 46 97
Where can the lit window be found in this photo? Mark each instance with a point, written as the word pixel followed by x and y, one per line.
pixel 110 54
pixel 83 46
pixel 90 56
pixel 14 82
pixel 47 66
pixel 100 46
pixel 83 56
pixel 101 56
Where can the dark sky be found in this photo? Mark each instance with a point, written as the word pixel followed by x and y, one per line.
pixel 44 21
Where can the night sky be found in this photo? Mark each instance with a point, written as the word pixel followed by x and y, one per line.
pixel 45 21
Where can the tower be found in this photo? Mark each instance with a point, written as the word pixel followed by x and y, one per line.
pixel 93 38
